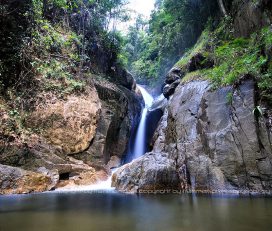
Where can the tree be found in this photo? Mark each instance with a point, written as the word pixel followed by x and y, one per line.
pixel 173 27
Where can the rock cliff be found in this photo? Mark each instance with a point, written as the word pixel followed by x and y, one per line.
pixel 66 141
pixel 67 104
pixel 215 134
pixel 206 141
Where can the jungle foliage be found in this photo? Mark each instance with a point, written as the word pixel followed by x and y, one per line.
pixel 60 40
pixel 233 59
pixel 153 46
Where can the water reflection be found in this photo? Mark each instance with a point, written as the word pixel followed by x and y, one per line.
pixel 114 211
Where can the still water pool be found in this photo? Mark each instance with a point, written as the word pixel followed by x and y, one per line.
pixel 80 211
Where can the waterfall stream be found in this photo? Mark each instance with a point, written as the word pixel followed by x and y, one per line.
pixel 140 142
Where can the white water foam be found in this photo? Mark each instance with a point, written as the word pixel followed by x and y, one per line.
pixel 99 187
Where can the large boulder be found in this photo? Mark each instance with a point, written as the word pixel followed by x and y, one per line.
pixel 70 139
pixel 169 89
pixel 153 171
pixel 41 158
pixel 120 108
pixel 122 77
pixel 174 74
pixel 16 180
pixel 68 124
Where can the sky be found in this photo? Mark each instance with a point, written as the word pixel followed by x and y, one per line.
pixel 142 6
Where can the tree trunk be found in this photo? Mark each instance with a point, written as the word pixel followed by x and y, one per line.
pixel 222 7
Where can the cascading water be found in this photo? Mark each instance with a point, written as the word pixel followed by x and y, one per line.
pixel 140 142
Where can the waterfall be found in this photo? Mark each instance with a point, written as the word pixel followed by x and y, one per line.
pixel 140 141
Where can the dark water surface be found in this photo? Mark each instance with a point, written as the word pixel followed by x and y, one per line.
pixel 113 211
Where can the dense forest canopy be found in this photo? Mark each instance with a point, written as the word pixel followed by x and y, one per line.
pixel 229 48
pixel 147 50
pixel 153 46
pixel 57 38
pixel 68 38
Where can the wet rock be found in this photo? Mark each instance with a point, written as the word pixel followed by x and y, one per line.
pixel 153 171
pixel 159 102
pixel 114 162
pixel 174 74
pixel 16 180
pixel 90 177
pixel 154 115
pixel 83 178
pixel 169 89
pixel 42 158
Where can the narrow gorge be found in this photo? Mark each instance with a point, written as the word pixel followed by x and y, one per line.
pixel 200 134
pixel 135 115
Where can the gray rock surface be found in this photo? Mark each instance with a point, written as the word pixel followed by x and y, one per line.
pixel 250 16
pixel 205 142
pixel 169 89
pixel 174 74
pixel 153 171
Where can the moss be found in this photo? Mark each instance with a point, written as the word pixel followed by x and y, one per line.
pixel 233 59
pixel 229 97
pixel 65 87
pixel 57 64
pixel 240 57
pixel 267 35
pixel 195 75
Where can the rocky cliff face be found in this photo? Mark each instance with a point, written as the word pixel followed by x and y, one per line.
pixel 213 140
pixel 207 140
pixel 66 141
pixel 120 108
pixel 66 108
pixel 249 16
